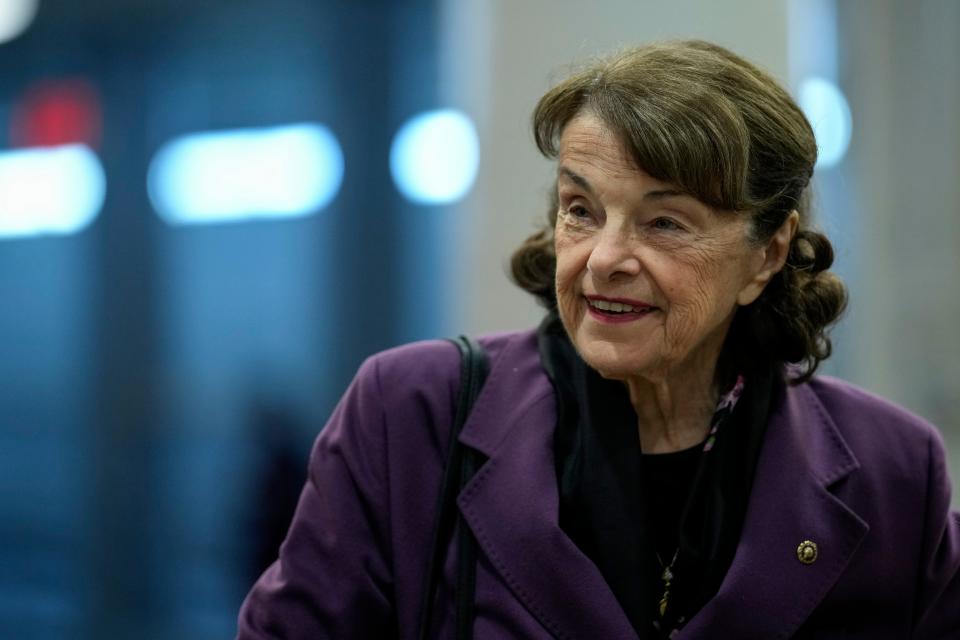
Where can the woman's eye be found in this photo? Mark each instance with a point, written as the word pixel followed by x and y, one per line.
pixel 665 224
pixel 578 211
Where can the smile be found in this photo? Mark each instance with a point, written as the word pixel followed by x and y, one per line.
pixel 615 311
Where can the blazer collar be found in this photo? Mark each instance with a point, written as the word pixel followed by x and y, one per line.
pixel 768 592
pixel 512 503
pixel 512 506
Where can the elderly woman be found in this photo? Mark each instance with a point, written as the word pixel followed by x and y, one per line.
pixel 657 459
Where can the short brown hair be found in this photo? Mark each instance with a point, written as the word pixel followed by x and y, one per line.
pixel 700 117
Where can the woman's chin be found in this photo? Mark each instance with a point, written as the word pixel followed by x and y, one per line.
pixel 611 362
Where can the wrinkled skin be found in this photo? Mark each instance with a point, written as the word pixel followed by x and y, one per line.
pixel 622 234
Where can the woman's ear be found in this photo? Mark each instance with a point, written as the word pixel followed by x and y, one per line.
pixel 772 258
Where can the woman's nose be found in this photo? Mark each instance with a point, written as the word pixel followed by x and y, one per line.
pixel 613 255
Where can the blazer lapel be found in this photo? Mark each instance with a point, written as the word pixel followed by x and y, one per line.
pixel 768 591
pixel 512 505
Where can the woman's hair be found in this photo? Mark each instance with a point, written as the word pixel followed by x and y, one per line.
pixel 704 119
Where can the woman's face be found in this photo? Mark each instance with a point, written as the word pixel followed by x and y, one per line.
pixel 648 278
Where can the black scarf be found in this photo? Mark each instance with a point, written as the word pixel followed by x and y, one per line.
pixel 611 513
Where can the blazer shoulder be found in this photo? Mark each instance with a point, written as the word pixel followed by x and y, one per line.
pixel 840 396
pixel 871 423
pixel 430 361
pixel 423 378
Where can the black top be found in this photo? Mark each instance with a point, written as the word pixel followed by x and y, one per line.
pixel 622 508
pixel 668 478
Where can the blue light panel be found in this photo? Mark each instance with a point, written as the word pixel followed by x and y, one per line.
pixel 15 17
pixel 829 114
pixel 222 176
pixel 50 190
pixel 435 156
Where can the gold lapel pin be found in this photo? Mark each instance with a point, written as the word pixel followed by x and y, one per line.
pixel 807 552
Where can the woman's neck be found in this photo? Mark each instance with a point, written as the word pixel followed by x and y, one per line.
pixel 673 413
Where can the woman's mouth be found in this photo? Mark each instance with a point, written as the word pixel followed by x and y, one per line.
pixel 618 310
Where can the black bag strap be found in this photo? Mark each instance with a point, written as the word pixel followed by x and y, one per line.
pixel 461 465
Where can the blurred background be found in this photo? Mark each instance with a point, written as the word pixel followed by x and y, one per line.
pixel 211 212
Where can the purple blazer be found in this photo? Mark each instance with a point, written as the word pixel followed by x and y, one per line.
pixel 863 479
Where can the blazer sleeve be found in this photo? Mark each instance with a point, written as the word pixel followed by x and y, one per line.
pixel 333 578
pixel 938 613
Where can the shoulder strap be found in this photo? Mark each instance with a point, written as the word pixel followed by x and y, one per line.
pixel 460 467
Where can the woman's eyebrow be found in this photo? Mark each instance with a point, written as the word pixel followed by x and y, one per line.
pixel 656 194
pixel 576 178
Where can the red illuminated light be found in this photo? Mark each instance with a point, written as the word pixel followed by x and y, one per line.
pixel 57 112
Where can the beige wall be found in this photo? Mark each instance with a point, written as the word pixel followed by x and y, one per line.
pixel 900 66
